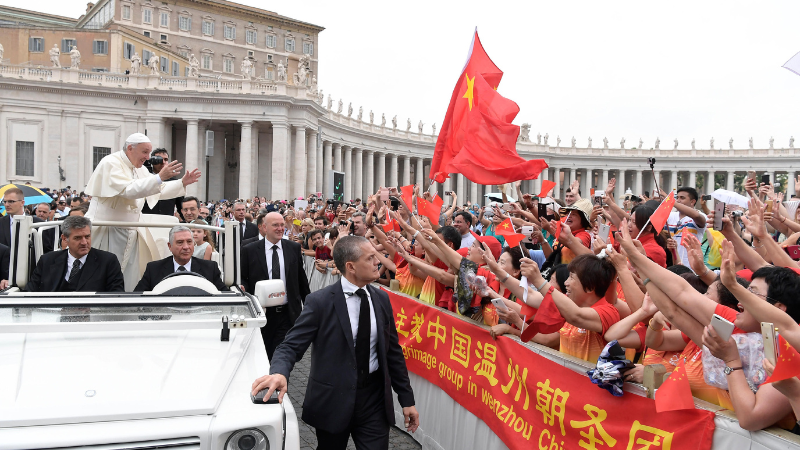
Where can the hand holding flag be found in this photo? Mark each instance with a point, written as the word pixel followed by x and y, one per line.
pixel 675 393
pixel 787 363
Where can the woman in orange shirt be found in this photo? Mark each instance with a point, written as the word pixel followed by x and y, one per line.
pixel 588 315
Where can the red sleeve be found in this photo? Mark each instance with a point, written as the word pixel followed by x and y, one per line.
pixel 728 314
pixel 585 238
pixel 641 330
pixel 608 314
pixel 685 337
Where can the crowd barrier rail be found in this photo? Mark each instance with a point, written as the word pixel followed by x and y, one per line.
pixel 475 392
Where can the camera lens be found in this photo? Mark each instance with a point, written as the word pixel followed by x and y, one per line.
pixel 246 442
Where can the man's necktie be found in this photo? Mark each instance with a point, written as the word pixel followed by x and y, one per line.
pixel 362 338
pixel 181 269
pixel 75 272
pixel 276 264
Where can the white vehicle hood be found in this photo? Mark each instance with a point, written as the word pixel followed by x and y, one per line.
pixel 55 378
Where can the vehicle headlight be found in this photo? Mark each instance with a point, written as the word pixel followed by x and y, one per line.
pixel 250 439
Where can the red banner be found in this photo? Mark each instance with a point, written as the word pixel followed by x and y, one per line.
pixel 530 401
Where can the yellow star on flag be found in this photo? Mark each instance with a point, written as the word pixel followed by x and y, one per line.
pixel 505 225
pixel 469 95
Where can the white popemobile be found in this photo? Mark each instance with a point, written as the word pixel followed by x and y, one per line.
pixel 170 369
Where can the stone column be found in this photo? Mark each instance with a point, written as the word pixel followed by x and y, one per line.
pixel 556 192
pixel 604 180
pixel 709 184
pixel 460 188
pixel 300 162
pixel 638 190
pixel 311 176
pixel 358 176
pixel 587 177
pixel 473 193
pixel 337 158
pixel 192 156
pixel 320 167
pixel 380 174
pixel 790 179
pixel 448 184
pixel 771 174
pixel 420 176
pixel 729 182
pixel 155 129
pixel 393 171
pixel 619 194
pixel 326 169
pixel 673 180
pixel 280 148
pixel 692 179
pixel 245 163
pixel 348 173
pixel 368 187
pixel 656 180
pixel 406 171
pixel 573 175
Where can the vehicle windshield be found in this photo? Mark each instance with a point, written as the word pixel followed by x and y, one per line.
pixel 49 313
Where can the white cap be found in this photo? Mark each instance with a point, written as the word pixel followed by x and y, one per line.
pixel 137 138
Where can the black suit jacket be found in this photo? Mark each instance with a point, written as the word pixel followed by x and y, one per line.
pixel 157 270
pixel 101 273
pixel 5 234
pixel 250 240
pixel 331 392
pixel 254 269
pixel 4 261
pixel 250 231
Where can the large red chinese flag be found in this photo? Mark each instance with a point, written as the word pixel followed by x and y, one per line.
pixel 675 393
pixel 547 320
pixel 659 217
pixel 477 138
pixel 547 186
pixel 787 365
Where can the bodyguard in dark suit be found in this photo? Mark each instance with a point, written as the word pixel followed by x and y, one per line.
pixel 247 229
pixel 181 245
pixel 4 261
pixel 261 226
pixel 80 268
pixel 276 258
pixel 14 201
pixel 356 359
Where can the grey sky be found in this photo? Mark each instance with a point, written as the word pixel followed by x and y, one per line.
pixel 584 68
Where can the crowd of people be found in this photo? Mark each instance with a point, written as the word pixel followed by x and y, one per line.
pixel 609 272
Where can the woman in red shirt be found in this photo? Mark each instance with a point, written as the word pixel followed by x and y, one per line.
pixel 654 245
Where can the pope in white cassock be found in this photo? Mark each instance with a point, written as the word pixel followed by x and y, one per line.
pixel 119 187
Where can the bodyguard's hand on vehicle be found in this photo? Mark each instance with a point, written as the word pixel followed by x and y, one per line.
pixel 272 382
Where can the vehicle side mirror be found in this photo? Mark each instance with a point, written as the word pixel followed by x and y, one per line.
pixel 270 293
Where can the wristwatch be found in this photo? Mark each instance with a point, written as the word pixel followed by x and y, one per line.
pixel 729 370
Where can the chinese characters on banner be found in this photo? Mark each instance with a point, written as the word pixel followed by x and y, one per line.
pixel 530 401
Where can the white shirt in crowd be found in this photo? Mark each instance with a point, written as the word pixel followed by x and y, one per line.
pixel 467 240
pixel 677 226
pixel 353 311
pixel 268 249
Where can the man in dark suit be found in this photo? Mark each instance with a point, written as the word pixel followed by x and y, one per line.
pixel 14 201
pixel 261 226
pixel 181 245
pixel 79 268
pixel 246 229
pixel 275 258
pixel 356 360
pixel 4 261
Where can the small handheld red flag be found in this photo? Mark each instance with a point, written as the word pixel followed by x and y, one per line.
pixel 547 186
pixel 407 193
pixel 431 210
pixel 547 319
pixel 506 229
pixel 660 216
pixel 787 365
pixel 675 393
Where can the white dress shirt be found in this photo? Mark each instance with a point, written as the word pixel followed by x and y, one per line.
pixel 71 260
pixel 354 310
pixel 268 246
pixel 467 240
pixel 187 266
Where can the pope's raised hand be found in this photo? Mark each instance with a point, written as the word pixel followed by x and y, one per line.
pixel 169 170
pixel 191 177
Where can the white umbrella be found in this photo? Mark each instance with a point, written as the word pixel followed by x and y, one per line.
pixel 730 197
pixel 498 197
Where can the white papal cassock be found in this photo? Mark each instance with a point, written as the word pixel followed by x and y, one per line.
pixel 119 191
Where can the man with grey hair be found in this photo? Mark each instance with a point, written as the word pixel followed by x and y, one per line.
pixel 181 244
pixel 79 268
pixel 356 359
pixel 359 220
pixel 247 229
pixel 120 186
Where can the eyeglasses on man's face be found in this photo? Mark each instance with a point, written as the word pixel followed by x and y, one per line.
pixel 10 202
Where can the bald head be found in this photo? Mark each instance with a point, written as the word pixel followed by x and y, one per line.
pixel 275 227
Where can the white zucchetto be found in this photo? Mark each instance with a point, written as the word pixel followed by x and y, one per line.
pixel 137 138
